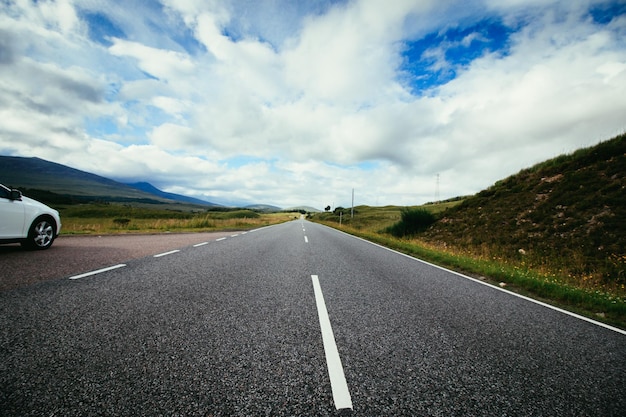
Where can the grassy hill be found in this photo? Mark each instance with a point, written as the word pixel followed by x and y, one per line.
pixel 567 214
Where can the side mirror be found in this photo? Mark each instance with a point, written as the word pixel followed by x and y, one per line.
pixel 16 195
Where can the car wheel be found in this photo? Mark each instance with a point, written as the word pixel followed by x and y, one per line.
pixel 41 234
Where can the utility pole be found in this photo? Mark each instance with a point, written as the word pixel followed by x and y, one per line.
pixel 437 190
pixel 352 210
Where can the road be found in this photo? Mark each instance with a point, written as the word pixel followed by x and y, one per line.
pixel 297 319
pixel 74 254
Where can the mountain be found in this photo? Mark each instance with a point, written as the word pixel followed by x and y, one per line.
pixel 35 173
pixel 569 210
pixel 308 209
pixel 52 182
pixel 149 188
pixel 263 207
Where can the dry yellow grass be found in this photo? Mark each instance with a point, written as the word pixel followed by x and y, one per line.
pixel 82 226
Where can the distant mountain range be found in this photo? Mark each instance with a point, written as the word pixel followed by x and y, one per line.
pixel 308 209
pixel 262 207
pixel 58 182
pixel 151 189
pixel 54 183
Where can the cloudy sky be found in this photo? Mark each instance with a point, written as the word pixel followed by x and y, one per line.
pixel 290 102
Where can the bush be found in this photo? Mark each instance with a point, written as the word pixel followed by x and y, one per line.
pixel 412 221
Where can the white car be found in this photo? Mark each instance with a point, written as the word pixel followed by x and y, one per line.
pixel 27 221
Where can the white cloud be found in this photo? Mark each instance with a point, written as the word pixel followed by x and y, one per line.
pixel 171 105
pixel 310 99
pixel 162 64
pixel 349 55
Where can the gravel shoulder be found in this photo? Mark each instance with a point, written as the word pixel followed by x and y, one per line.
pixel 72 255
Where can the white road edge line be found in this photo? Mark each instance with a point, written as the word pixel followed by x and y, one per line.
pixel 166 253
pixel 87 274
pixel 532 300
pixel 339 386
pixel 200 244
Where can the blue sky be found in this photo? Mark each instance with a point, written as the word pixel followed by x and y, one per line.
pixel 297 103
pixel 434 59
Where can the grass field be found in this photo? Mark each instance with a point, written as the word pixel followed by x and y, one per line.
pixel 118 218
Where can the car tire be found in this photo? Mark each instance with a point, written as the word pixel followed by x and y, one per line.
pixel 41 233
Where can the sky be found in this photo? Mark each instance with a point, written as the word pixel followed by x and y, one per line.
pixel 296 103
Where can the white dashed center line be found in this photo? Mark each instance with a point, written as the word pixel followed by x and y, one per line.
pixel 200 244
pixel 87 274
pixel 339 386
pixel 166 253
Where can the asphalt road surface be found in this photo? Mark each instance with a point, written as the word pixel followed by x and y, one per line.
pixel 75 254
pixel 296 319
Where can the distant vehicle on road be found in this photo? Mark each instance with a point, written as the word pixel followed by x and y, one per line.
pixel 27 221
